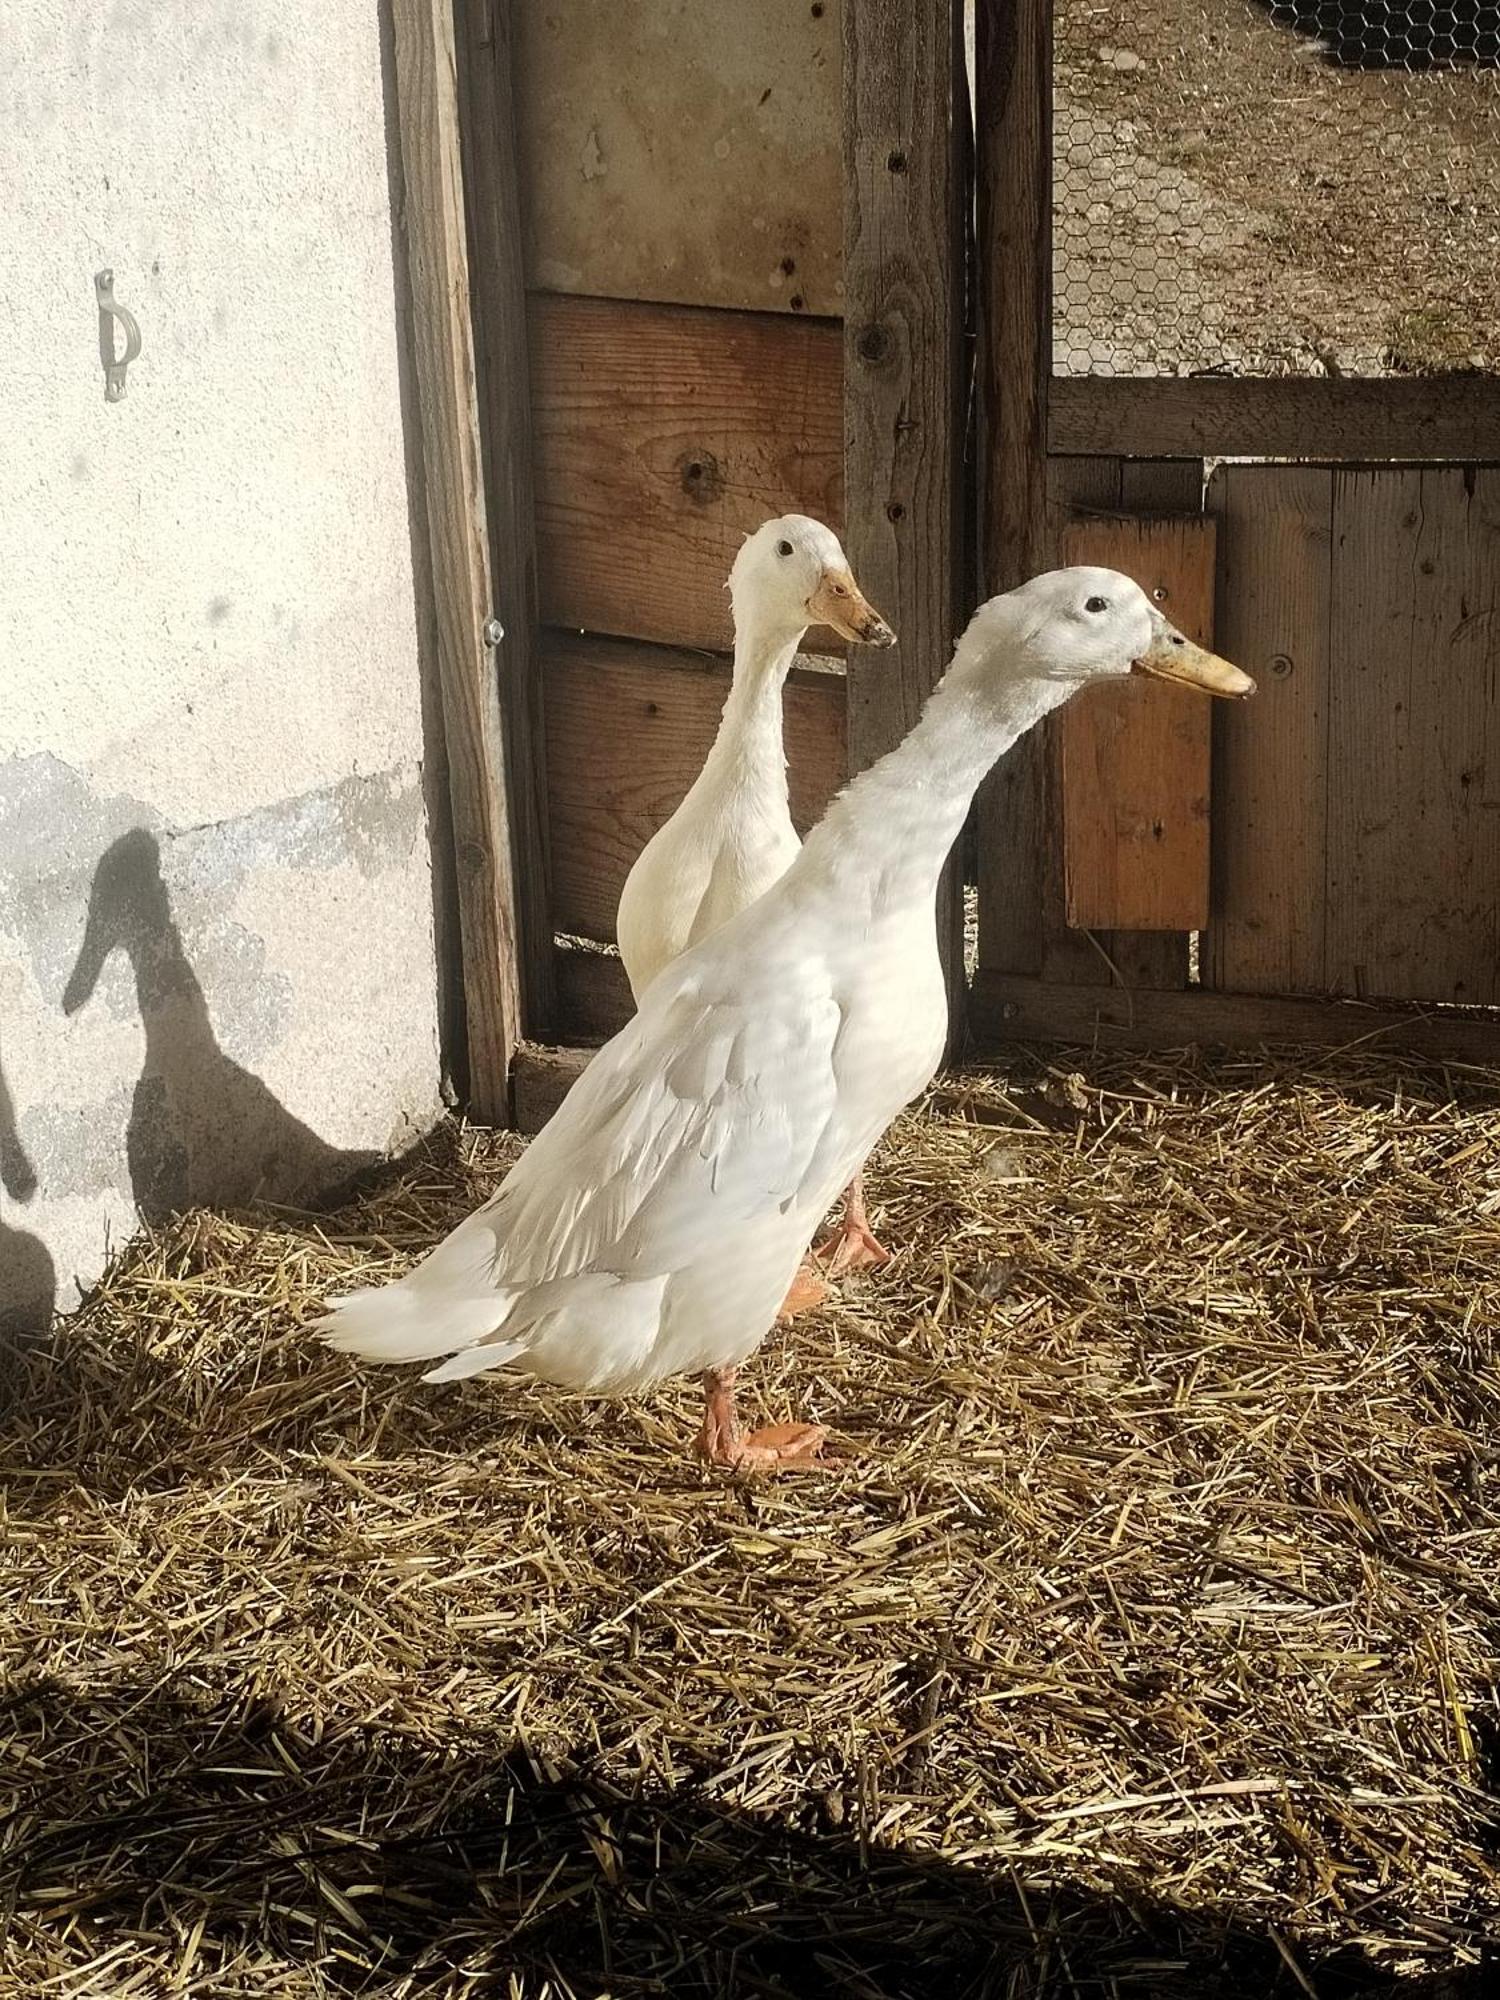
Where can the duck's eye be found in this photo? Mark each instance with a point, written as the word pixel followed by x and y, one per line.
pixel 1097 604
pixel 783 548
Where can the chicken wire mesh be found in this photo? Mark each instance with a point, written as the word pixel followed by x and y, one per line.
pixel 1307 187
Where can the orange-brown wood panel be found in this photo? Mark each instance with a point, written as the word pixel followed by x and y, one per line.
pixel 1022 922
pixel 1136 755
pixel 664 435
pixel 628 728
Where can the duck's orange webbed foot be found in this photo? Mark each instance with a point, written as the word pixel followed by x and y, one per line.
pixel 853 1246
pixel 775 1448
pixel 807 1292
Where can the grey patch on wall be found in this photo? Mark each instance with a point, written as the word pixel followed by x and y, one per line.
pixel 202 1128
pixel 52 822
pixel 55 836
pixel 374 821
pixel 114 909
pixel 53 829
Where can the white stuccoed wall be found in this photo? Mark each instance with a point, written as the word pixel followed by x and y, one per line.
pixel 217 972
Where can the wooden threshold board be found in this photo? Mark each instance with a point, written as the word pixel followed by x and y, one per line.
pixel 1004 1009
pixel 594 997
pixel 1451 418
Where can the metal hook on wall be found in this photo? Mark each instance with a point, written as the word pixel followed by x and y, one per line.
pixel 109 312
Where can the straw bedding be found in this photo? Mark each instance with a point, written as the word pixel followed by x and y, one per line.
pixel 1144 1642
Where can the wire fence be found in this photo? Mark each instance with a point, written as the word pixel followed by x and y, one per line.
pixel 1309 187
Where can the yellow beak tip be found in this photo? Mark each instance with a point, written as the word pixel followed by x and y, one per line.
pixel 1187 665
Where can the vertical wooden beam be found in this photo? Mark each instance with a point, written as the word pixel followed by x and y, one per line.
pixel 486 42
pixel 904 143
pixel 1013 223
pixel 433 207
pixel 1019 870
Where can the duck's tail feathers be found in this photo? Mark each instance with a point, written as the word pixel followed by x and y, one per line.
pixel 475 1360
pixel 405 1322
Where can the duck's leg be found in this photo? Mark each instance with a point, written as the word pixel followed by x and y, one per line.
pixel 787 1447
pixel 854 1244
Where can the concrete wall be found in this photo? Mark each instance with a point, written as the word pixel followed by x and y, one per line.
pixel 217 970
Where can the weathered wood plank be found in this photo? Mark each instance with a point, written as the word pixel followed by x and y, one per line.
pixel 1006 1010
pixel 1266 934
pixel 667 157
pixel 903 320
pixel 594 998
pixel 1135 757
pixel 1023 919
pixel 543 1078
pixel 486 29
pixel 1013 209
pixel 663 437
pixel 433 206
pixel 1445 417
pixel 1020 878
pixel 1414 736
pixel 628 728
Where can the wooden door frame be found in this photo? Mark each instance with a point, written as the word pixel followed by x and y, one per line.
pixel 442 349
pixel 460 218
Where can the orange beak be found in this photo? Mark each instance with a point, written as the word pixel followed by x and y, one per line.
pixel 838 602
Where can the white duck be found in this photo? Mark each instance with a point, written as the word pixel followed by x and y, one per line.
pixel 763 1066
pixel 732 836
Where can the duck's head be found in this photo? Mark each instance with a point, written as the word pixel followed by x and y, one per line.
pixel 792 573
pixel 1072 626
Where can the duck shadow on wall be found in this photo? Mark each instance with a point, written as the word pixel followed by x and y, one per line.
pixel 479 1854
pixel 202 1129
pixel 28 1280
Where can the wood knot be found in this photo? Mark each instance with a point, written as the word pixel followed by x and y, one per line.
pixel 872 344
pixel 701 478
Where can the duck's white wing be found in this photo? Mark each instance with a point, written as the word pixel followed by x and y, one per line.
pixel 700 1114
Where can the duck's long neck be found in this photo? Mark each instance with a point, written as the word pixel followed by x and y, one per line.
pixel 748 749
pixel 884 840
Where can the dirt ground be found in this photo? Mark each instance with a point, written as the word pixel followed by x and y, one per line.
pixel 1227 199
